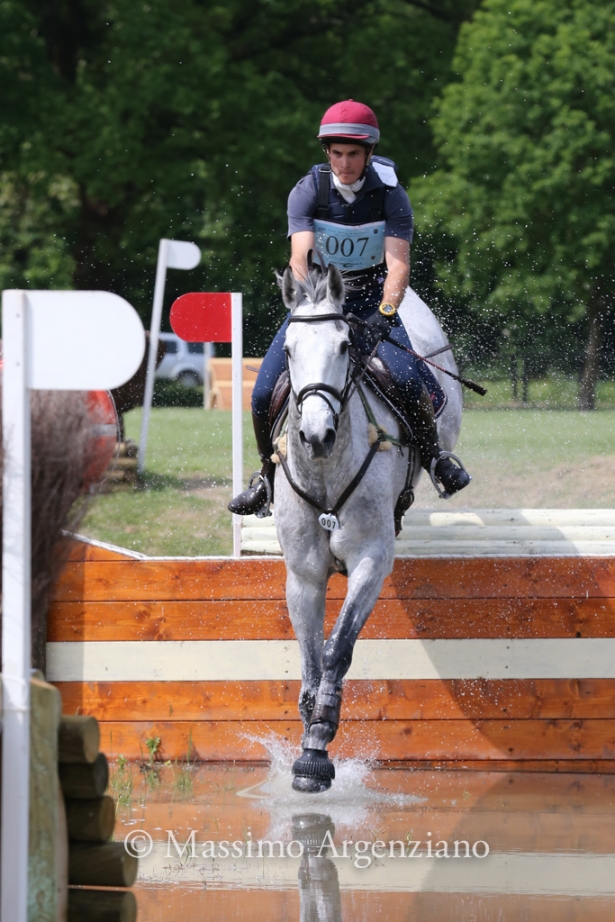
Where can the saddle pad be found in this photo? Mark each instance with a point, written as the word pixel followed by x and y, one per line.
pixel 435 390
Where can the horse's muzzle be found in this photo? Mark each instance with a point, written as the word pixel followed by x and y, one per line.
pixel 317 446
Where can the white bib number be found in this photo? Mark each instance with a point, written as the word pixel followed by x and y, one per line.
pixel 350 248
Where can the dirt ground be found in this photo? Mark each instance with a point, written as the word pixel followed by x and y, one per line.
pixel 587 484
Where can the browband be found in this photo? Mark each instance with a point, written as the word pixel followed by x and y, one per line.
pixel 317 317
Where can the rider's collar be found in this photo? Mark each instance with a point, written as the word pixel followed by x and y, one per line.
pixel 349 193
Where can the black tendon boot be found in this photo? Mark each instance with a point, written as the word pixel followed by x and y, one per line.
pixel 447 472
pixel 257 499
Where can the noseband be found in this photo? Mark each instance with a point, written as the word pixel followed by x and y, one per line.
pixel 321 388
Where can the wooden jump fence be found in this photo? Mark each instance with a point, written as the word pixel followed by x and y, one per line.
pixel 467 663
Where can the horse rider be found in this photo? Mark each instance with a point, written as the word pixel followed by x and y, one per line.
pixel 354 212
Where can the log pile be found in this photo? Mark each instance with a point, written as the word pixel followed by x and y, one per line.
pixel 121 474
pixel 93 860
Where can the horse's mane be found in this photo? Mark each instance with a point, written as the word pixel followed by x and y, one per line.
pixel 313 288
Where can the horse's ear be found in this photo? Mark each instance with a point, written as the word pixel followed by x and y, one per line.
pixel 289 289
pixel 335 286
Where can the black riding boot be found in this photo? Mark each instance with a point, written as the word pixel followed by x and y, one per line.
pixel 257 499
pixel 447 472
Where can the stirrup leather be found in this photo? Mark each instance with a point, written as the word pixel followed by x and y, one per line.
pixel 265 511
pixel 432 472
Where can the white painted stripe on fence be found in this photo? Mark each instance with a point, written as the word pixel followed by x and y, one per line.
pixel 582 875
pixel 275 660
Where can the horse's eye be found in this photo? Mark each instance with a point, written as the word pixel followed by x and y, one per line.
pixel 344 348
pixel 287 350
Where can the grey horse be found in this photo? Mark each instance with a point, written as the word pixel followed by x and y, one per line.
pixel 327 442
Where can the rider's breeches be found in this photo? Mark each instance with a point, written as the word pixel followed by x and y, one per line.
pixel 273 365
pixel 403 367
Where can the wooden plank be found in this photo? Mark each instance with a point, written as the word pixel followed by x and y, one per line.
pixel 518 533
pixel 389 739
pixel 280 660
pixel 192 904
pixel 504 766
pixel 489 548
pixel 392 618
pixel 253 578
pixel 508 517
pixel 363 700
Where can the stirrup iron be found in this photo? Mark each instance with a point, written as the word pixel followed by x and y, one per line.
pixel 265 511
pixel 432 472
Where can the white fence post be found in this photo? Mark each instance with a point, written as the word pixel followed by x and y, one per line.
pixel 172 254
pixel 154 336
pixel 16 614
pixel 237 412
pixel 53 340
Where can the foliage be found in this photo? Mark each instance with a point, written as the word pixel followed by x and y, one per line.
pixel 64 459
pixel 522 210
pixel 125 121
pixel 172 394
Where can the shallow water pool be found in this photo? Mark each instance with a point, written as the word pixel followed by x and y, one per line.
pixel 224 841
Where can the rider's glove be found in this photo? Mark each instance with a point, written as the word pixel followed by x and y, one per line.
pixel 382 323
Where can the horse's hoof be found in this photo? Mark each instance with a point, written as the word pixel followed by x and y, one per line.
pixel 313 772
pixel 310 785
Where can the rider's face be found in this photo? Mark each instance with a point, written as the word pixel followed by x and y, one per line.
pixel 347 161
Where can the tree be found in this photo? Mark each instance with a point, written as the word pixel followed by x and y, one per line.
pixel 525 195
pixel 130 120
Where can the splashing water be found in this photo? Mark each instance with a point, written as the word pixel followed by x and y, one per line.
pixel 349 802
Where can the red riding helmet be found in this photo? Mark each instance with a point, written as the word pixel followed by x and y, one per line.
pixel 350 121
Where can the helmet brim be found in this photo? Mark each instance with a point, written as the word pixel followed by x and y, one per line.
pixel 356 132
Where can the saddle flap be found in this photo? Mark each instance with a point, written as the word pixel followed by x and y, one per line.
pixel 279 404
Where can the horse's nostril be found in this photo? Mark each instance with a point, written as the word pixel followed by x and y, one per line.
pixel 302 437
pixel 329 440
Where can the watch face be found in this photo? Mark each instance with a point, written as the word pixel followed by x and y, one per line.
pixel 387 310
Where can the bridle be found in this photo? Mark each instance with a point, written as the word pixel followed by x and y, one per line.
pixel 321 388
pixel 328 514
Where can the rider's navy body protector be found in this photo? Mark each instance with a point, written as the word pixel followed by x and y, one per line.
pixel 381 201
pixel 351 235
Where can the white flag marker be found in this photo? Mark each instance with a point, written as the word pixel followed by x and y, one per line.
pixel 172 254
pixel 53 340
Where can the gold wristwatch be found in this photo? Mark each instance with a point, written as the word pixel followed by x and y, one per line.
pixel 387 310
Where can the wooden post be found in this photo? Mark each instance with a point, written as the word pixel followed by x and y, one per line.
pixel 90 820
pixel 87 780
pixel 78 739
pixel 101 906
pixel 48 845
pixel 108 865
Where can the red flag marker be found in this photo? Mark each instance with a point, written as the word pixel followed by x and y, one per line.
pixel 203 317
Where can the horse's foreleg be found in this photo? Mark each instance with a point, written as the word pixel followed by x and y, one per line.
pixel 306 606
pixel 364 585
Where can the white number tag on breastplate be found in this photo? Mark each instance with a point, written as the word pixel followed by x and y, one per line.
pixel 328 521
pixel 350 248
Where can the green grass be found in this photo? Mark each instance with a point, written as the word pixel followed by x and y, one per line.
pixel 518 458
pixel 554 392
pixel 181 511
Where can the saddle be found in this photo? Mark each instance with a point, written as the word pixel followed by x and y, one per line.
pixel 378 378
